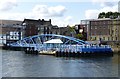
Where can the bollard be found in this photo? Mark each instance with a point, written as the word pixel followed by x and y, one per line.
pixel 27 50
pixel 66 54
pixel 82 54
pixel 78 54
pixel 61 54
pixel 56 54
pixel 73 54
pixel 69 53
pixel 87 54
pixel 32 50
pixel 93 54
pixel 36 52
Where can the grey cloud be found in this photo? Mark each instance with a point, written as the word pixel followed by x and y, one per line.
pixel 110 4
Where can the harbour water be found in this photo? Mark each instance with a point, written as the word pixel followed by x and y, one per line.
pixel 19 64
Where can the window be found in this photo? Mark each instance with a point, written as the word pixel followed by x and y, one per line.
pixel 38 28
pixel 95 27
pixel 103 38
pixel 56 32
pixel 108 39
pixel 91 27
pixel 91 38
pixel 112 31
pixel 95 38
pixel 112 38
pixel 116 38
pixel 104 22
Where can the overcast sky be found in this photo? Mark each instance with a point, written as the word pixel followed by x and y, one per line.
pixel 62 12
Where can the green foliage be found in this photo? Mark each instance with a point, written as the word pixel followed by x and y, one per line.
pixel 101 15
pixel 72 29
pixel 112 15
pixel 79 36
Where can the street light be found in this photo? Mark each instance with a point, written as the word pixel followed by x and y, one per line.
pixel 23 29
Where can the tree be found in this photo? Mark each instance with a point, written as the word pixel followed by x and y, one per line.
pixel 101 15
pixel 112 15
pixel 116 14
pixel 71 30
pixel 108 14
pixel 79 36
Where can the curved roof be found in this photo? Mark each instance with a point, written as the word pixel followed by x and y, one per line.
pixel 56 41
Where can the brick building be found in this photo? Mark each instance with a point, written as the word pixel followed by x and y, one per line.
pixel 35 27
pixel 103 29
pixel 62 31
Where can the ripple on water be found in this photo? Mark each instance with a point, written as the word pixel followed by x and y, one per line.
pixel 19 64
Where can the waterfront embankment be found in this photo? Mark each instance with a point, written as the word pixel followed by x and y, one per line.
pixel 116 49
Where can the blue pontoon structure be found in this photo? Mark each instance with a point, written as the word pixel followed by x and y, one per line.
pixel 61 44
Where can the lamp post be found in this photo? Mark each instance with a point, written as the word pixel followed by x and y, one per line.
pixel 23 29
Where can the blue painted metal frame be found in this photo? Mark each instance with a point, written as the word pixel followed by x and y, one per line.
pixel 42 36
pixel 25 41
pixel 61 36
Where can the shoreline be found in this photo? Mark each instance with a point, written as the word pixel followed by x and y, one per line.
pixel 116 49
